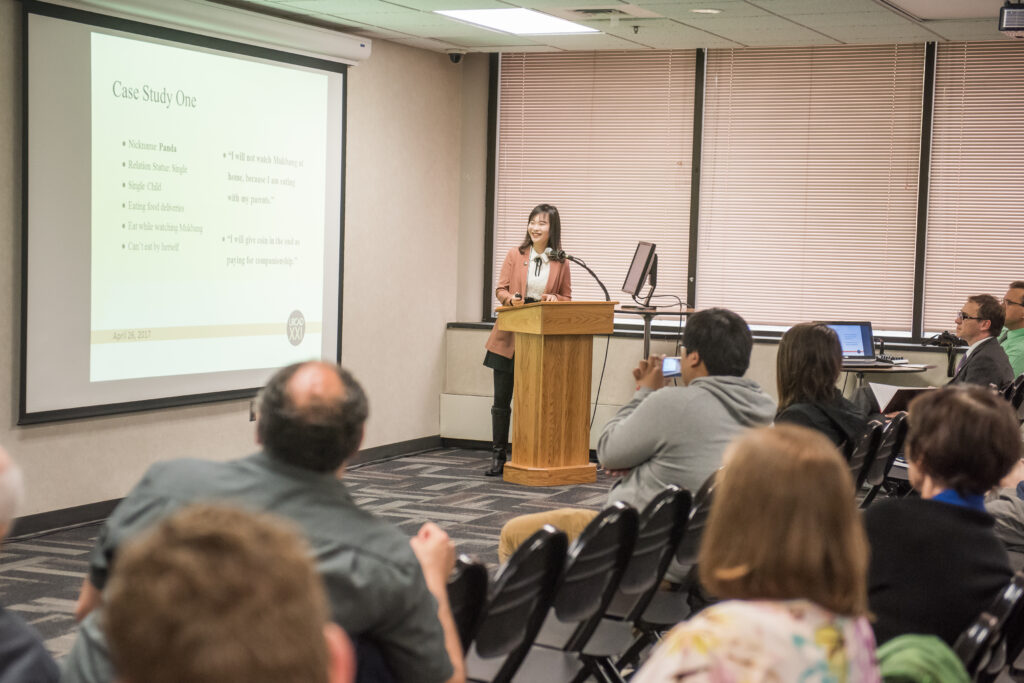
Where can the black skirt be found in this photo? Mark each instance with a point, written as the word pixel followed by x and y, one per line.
pixel 499 363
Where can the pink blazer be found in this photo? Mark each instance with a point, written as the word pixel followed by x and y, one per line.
pixel 512 279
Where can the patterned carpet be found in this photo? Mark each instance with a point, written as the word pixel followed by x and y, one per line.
pixel 40 577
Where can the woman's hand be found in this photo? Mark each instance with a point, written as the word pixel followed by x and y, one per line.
pixel 548 297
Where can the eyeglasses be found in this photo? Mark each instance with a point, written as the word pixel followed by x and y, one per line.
pixel 960 316
pixel 1011 302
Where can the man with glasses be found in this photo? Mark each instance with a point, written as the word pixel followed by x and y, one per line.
pixel 978 323
pixel 1012 337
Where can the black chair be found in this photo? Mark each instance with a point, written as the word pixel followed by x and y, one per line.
pixel 662 527
pixel 517 602
pixel 863 454
pixel 995 639
pixel 889 448
pixel 665 609
pixel 467 593
pixel 593 567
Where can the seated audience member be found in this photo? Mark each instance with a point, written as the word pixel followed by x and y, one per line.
pixel 23 657
pixel 1006 505
pixel 807 369
pixel 671 435
pixel 383 587
pixel 978 323
pixel 935 561
pixel 1012 336
pixel 218 595
pixel 785 548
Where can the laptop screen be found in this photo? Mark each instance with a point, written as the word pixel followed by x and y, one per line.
pixel 855 339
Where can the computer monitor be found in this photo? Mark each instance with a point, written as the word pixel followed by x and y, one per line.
pixel 644 267
pixel 856 340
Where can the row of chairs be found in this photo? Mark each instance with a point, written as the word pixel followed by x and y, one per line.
pixel 556 612
pixel 992 643
pixel 872 455
pixel 1014 393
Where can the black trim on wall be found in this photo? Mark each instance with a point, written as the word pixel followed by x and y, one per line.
pixel 700 71
pixel 492 166
pixel 79 515
pixel 94 513
pixel 927 104
pixel 175 35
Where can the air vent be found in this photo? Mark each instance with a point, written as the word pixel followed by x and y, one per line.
pixel 606 13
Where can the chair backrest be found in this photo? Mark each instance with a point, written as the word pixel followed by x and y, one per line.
pixel 864 453
pixel 1018 393
pixel 662 526
pixel 467 594
pixel 891 445
pixel 996 638
pixel 521 594
pixel 690 544
pixel 593 568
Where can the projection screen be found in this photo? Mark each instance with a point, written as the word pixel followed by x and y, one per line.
pixel 183 215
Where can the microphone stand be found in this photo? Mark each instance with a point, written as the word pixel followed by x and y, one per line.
pixel 579 262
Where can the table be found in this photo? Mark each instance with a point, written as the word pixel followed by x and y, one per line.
pixel 648 314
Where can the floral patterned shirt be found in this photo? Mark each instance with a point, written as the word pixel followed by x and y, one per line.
pixel 763 641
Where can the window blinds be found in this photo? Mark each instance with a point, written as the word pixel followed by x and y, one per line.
pixel 809 183
pixel 607 138
pixel 975 241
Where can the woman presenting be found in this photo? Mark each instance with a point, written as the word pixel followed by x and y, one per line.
pixel 528 274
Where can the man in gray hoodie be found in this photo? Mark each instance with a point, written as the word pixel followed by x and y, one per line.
pixel 671 435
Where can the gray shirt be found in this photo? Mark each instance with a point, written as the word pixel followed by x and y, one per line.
pixel 373 580
pixel 676 435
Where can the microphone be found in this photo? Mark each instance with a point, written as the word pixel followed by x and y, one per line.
pixel 560 255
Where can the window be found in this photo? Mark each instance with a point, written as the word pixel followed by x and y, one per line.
pixel 808 198
pixel 976 193
pixel 607 138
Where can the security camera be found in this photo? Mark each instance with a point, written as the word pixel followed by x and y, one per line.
pixel 455 56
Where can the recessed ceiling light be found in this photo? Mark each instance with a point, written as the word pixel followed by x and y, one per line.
pixel 706 11
pixel 523 22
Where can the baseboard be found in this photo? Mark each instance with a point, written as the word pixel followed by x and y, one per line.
pixel 471 445
pixel 468 444
pixel 30 525
pixel 44 522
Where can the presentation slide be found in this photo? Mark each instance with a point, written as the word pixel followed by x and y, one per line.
pixel 207 221
pixel 851 339
pixel 183 215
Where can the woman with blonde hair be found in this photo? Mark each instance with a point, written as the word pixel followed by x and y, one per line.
pixel 786 551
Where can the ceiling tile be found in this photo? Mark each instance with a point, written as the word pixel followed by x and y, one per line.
pixel 663 34
pixel 977 29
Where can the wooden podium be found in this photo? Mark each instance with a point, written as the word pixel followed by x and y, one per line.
pixel 553 363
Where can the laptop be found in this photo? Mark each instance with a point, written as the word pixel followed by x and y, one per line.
pixel 857 342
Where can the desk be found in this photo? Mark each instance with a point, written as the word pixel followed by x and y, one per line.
pixel 884 370
pixel 648 315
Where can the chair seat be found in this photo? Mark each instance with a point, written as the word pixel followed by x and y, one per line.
pixel 666 609
pixel 544 665
pixel 481 669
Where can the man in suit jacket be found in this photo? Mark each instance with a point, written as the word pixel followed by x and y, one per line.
pixel 978 323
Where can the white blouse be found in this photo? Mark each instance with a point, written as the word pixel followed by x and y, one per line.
pixel 537 275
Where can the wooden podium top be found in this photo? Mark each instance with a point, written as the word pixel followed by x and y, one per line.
pixel 559 317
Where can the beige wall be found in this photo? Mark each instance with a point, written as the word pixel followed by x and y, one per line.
pixel 466 401
pixel 402 275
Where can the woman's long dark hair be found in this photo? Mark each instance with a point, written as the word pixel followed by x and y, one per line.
pixel 554 228
pixel 808 365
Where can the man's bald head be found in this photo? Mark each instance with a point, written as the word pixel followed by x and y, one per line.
pixel 12 491
pixel 311 415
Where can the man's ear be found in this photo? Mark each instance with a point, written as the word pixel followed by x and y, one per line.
pixel 692 359
pixel 985 325
pixel 341 657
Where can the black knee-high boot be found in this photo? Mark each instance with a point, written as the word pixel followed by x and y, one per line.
pixel 500 418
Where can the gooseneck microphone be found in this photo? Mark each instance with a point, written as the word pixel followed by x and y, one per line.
pixel 560 255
